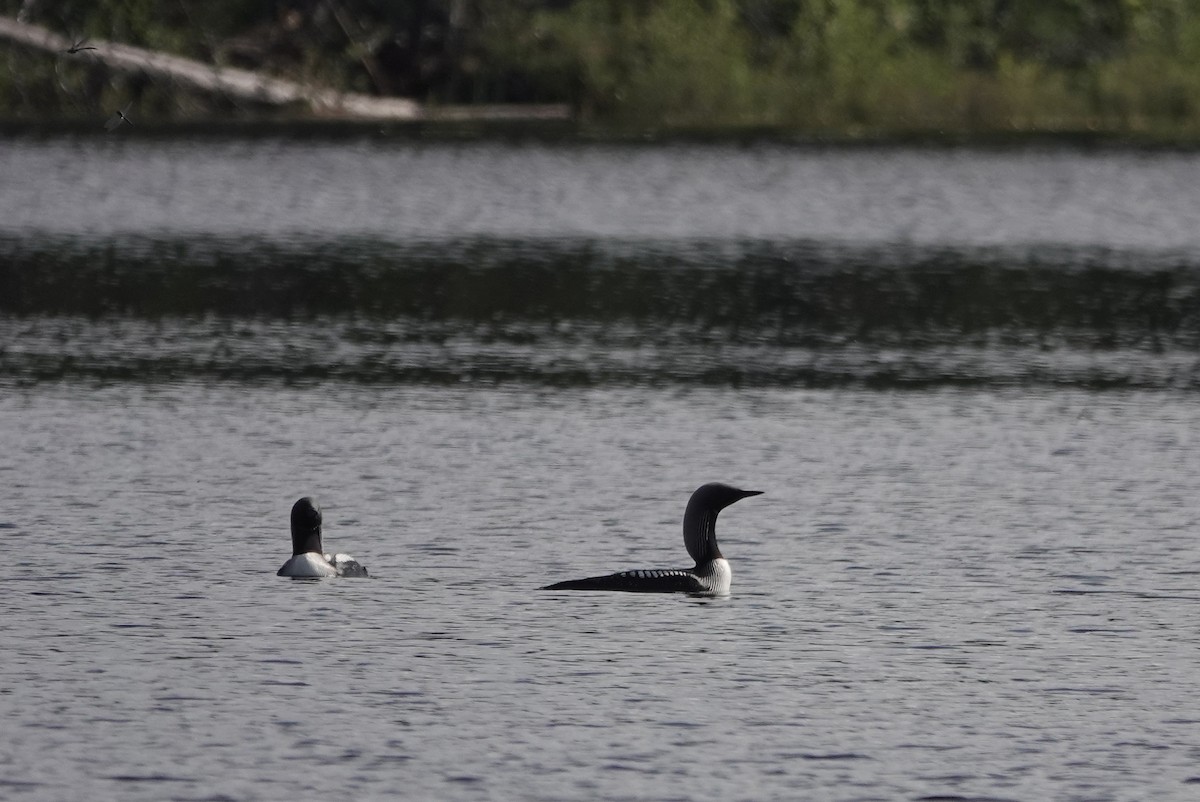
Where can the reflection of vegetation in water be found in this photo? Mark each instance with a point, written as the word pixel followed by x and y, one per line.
pixel 816 65
pixel 786 292
pixel 587 312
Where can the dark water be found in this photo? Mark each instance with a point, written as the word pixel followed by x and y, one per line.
pixel 964 380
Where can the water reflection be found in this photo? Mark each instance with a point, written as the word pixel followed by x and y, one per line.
pixel 586 311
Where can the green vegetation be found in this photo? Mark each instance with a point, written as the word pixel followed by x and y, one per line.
pixel 844 67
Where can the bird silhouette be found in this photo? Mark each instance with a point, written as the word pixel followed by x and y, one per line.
pixel 79 47
pixel 114 122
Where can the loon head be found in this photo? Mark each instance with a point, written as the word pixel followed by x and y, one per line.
pixel 700 518
pixel 306 526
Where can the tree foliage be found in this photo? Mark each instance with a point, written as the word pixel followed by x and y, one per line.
pixel 887 65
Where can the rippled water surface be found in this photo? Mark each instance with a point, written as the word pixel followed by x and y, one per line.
pixel 965 381
pixel 950 594
pixel 285 189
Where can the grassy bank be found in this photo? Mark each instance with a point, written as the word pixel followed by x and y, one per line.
pixel 822 67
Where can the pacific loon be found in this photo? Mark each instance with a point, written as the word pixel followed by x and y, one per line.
pixel 308 560
pixel 712 574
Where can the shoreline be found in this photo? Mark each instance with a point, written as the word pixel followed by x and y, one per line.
pixel 550 125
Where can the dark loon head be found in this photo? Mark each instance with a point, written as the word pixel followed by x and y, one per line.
pixel 700 518
pixel 306 526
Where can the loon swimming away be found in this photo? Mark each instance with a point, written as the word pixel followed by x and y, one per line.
pixel 710 577
pixel 308 560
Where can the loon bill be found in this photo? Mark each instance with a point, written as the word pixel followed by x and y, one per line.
pixel 308 560
pixel 711 576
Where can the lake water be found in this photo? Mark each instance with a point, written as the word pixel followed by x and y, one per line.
pixel 965 379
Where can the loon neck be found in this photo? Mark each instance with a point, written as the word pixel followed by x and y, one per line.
pixel 700 533
pixel 306 543
pixel 306 540
pixel 306 527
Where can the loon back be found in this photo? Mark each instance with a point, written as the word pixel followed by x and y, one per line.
pixel 712 574
pixel 659 580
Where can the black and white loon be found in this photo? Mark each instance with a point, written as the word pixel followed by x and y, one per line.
pixel 308 560
pixel 711 576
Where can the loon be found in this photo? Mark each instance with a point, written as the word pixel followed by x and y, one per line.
pixel 710 577
pixel 307 558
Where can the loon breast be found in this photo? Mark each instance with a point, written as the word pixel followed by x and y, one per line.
pixel 309 564
pixel 314 564
pixel 717 577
